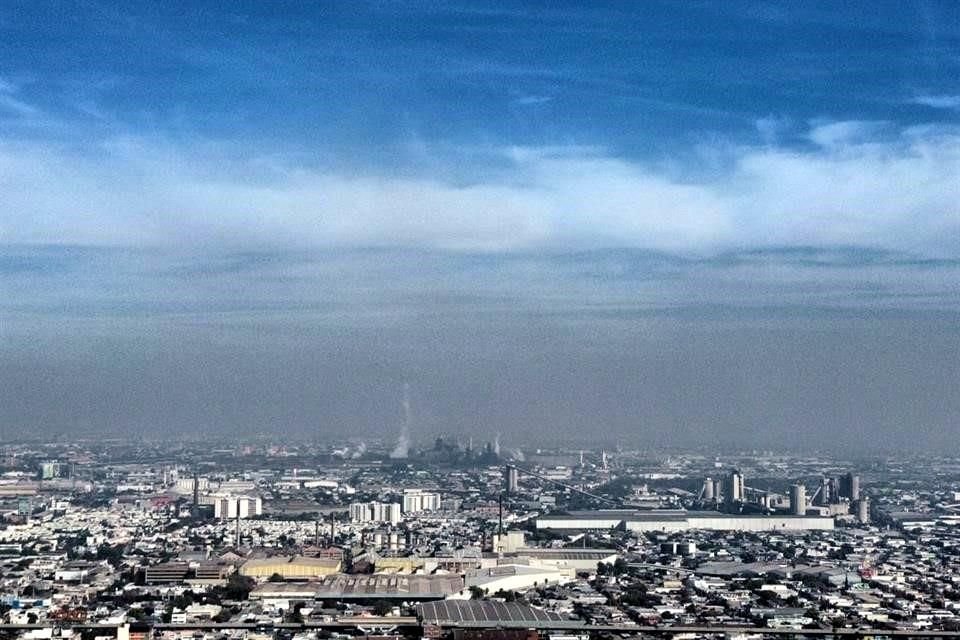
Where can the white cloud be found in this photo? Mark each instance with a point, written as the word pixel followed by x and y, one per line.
pixel 845 132
pixel 900 191
pixel 771 128
pixel 939 101
pixel 531 100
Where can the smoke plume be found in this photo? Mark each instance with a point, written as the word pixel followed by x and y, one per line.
pixel 402 449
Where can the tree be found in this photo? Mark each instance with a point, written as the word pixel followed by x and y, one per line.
pixel 295 615
pixel 382 607
pixel 238 587
pixel 619 567
pixel 276 577
pixel 183 601
pixel 508 596
pixel 476 592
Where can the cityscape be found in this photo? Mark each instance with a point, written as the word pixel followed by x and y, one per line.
pixel 308 540
pixel 479 319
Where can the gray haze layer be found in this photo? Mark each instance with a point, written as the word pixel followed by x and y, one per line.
pixel 796 348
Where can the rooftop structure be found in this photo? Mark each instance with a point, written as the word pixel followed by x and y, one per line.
pixel 345 587
pixel 484 613
pixel 679 520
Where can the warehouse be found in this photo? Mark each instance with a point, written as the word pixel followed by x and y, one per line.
pixel 364 588
pixel 290 568
pixel 678 520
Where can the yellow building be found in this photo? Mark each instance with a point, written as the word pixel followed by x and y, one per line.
pixel 407 564
pixel 290 567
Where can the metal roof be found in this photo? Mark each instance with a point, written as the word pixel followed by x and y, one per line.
pixel 487 612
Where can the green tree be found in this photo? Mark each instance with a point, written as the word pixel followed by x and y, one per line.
pixel 619 567
pixel 238 587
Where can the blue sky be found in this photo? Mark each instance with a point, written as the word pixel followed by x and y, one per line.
pixel 578 121
pixel 635 78
pixel 450 189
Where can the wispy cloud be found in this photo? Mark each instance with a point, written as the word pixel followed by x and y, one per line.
pixel 531 100
pixel 949 102
pixel 11 103
pixel 845 132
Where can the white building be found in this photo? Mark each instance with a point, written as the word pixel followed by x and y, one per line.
pixel 380 512
pixel 228 507
pixel 417 500
pixel 185 485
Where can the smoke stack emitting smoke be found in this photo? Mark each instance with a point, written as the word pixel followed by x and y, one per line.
pixel 360 450
pixel 403 443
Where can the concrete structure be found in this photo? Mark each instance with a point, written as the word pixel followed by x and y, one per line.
pixel 185 486
pixel 511 479
pixel 708 489
pixel 232 507
pixel 733 492
pixel 850 487
pixel 379 512
pixel 508 542
pixel 166 572
pixel 798 499
pixel 418 500
pixel 678 520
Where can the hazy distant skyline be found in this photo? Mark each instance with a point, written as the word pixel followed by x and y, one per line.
pixel 668 222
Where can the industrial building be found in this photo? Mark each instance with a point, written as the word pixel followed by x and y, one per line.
pixel 499 615
pixel 367 587
pixel 517 577
pixel 226 507
pixel 166 572
pixel 733 491
pixel 511 479
pixel 667 520
pixel 575 559
pixel 291 567
pixel 798 499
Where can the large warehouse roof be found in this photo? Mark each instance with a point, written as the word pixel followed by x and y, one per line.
pixel 343 586
pixel 484 613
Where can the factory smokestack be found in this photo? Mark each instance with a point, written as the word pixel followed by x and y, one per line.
pixel 402 450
